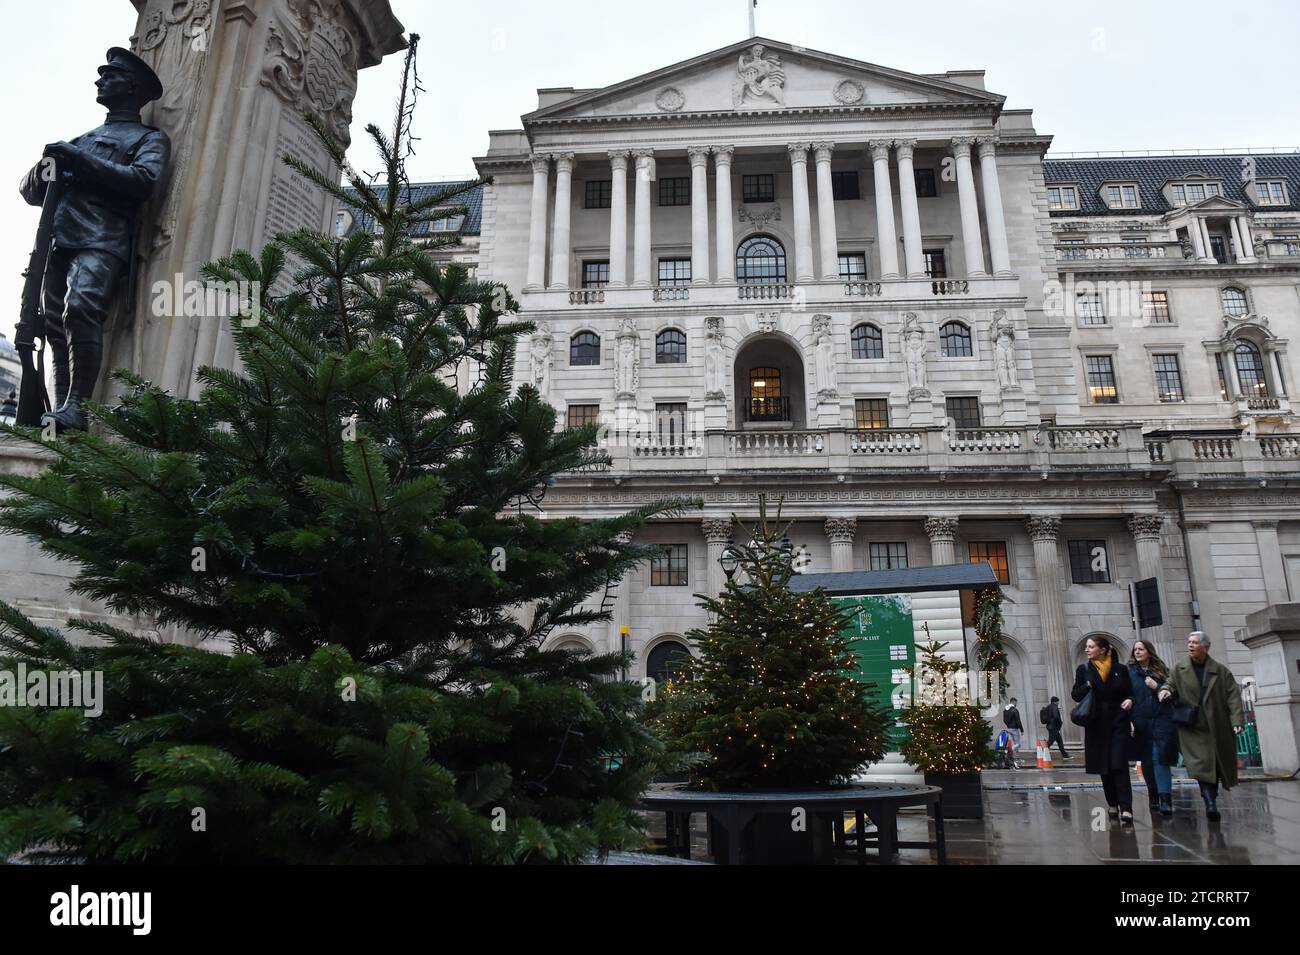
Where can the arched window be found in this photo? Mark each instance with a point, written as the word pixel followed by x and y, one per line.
pixel 1250 371
pixel 760 260
pixel 954 341
pixel 666 661
pixel 584 349
pixel 1234 301
pixel 670 347
pixel 867 342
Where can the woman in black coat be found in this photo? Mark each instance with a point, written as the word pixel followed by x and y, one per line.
pixel 1155 735
pixel 1106 737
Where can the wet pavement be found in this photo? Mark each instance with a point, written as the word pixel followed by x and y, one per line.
pixel 1058 817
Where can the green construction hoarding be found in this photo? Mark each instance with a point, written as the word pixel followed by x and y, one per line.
pixel 883 637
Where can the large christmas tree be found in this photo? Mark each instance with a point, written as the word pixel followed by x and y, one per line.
pixel 771 700
pixel 364 538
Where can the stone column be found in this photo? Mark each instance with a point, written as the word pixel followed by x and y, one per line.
pixel 885 233
pixel 1205 240
pixel 1205 586
pixel 804 270
pixel 943 539
pixel 971 241
pixel 618 218
pixel 722 214
pixel 537 224
pixel 912 252
pixel 1145 529
pixel 717 532
pixel 641 257
pixel 1198 240
pixel 998 250
pixel 1247 240
pixel 827 239
pixel 1043 531
pixel 1270 561
pixel 560 223
pixel 699 156
pixel 840 531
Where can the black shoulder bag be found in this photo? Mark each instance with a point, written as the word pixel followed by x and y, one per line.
pixel 1185 715
pixel 1084 712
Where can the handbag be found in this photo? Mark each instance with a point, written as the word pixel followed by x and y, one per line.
pixel 1185 715
pixel 1084 711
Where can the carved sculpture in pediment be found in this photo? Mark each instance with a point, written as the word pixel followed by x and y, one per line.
pixel 759 219
pixel 849 92
pixel 759 77
pixel 670 99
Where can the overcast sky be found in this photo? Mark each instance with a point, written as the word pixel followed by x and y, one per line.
pixel 1104 75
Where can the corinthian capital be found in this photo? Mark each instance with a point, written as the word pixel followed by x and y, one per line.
pixel 879 148
pixel 822 151
pixel 798 152
pixel 904 148
pixel 1043 527
pixel 722 155
pixel 541 162
pixel 941 529
pixel 1145 526
pixel 617 158
pixel 961 146
pixel 840 530
pixel 988 146
pixel 716 530
pixel 564 162
pixel 699 156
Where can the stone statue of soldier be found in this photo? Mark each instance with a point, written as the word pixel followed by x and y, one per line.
pixel 106 175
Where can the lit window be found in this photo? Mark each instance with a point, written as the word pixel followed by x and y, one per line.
pixel 867 342
pixel 1250 371
pixel 1169 377
pixel 1155 308
pixel 580 415
pixel 1101 380
pixel 994 553
pixel 871 414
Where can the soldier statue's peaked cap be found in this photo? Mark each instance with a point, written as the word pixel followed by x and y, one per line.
pixel 146 79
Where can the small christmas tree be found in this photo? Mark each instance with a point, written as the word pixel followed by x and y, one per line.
pixel 945 734
pixel 771 701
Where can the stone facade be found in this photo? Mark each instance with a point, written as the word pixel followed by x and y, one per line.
pixel 717 279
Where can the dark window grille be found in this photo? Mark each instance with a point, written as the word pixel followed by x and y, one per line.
pixel 1089 562
pixel 674 272
pixel 926 185
pixel 669 569
pixel 584 349
pixel 963 412
pixel 888 555
pixel 597 193
pixel 844 185
pixel 867 342
pixel 955 341
pixel 595 274
pixel 759 188
pixel 670 347
pixel 675 191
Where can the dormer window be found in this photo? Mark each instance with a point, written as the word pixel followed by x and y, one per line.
pixel 1271 192
pixel 447 224
pixel 1190 193
pixel 1122 195
pixel 1062 198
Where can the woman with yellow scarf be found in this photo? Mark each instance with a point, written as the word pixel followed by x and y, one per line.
pixel 1108 732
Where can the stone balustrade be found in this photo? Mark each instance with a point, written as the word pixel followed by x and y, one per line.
pixel 1125 252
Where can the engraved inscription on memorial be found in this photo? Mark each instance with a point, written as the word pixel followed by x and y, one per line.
pixel 293 202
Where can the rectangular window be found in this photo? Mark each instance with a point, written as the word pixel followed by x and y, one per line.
pixel 1061 198
pixel 995 554
pixel 1195 192
pixel 580 415
pixel 871 414
pixel 1180 195
pixel 1155 307
pixel 853 266
pixel 936 266
pixel 1075 250
pixel 1136 247
pixel 1270 193
pixel 963 412
pixel 1290 243
pixel 674 272
pixel 844 185
pixel 1169 377
pixel 761 188
pixel 1087 306
pixel 675 191
pixel 888 555
pixel 670 423
pixel 597 194
pixel 669 569
pixel 1101 380
pixel 1122 197
pixel 926 186
pixel 1089 562
pixel 595 274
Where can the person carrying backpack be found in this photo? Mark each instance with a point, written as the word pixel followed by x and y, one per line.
pixel 1050 717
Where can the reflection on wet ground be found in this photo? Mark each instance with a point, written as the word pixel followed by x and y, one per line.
pixel 1051 819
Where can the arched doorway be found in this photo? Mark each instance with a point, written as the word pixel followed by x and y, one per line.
pixel 1020 687
pixel 769 385
pixel 665 659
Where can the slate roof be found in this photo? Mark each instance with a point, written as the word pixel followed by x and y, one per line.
pixel 472 201
pixel 1152 173
pixel 908 580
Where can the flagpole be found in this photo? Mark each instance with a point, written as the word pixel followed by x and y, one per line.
pixel 751 4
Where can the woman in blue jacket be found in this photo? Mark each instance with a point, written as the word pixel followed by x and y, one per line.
pixel 1155 736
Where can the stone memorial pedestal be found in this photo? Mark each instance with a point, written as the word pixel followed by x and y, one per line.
pixel 1273 636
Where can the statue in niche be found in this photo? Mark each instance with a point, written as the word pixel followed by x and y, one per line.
pixel 824 353
pixel 759 77
pixel 914 352
pixel 627 366
pixel 714 369
pixel 540 355
pixel 1004 351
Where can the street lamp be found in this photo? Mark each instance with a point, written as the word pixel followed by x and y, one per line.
pixel 729 560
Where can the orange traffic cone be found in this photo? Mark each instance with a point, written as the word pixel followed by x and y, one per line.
pixel 1047 755
pixel 1038 745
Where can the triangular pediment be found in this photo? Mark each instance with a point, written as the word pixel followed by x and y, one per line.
pixel 760 74
pixel 1210 204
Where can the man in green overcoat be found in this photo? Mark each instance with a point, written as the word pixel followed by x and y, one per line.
pixel 1209 744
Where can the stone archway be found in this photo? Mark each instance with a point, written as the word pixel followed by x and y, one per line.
pixel 770 390
pixel 1020 685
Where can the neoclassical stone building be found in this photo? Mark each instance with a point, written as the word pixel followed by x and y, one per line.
pixel 771 269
